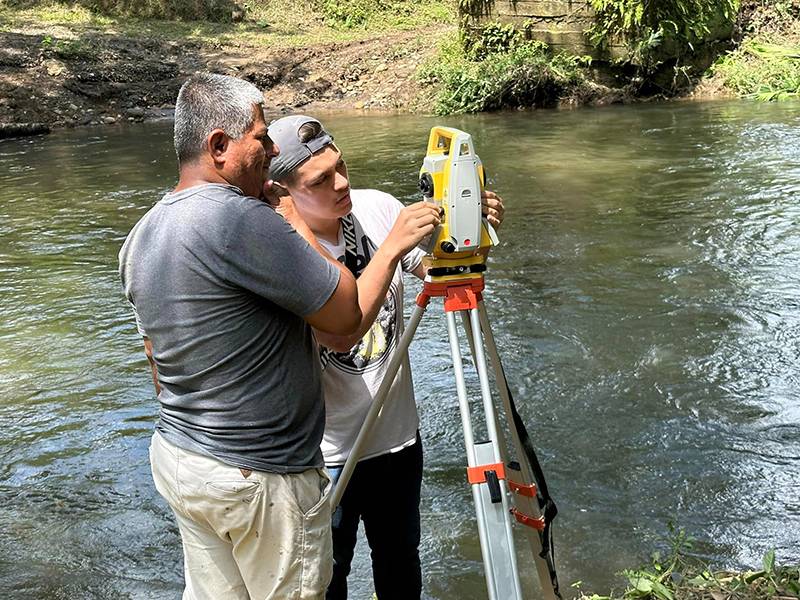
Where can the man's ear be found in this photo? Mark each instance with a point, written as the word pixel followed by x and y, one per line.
pixel 217 145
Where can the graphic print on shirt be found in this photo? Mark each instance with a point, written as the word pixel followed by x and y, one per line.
pixel 371 351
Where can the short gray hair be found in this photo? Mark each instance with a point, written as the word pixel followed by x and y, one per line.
pixel 208 101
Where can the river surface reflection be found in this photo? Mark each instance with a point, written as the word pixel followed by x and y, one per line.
pixel 645 299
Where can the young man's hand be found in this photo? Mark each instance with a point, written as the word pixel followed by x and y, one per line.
pixel 412 224
pixel 493 208
pixel 278 198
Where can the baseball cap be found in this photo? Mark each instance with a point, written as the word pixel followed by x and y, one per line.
pixel 285 132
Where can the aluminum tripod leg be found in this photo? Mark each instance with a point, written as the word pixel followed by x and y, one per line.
pixel 491 506
pixel 377 403
pixel 544 566
pixel 490 475
pixel 467 325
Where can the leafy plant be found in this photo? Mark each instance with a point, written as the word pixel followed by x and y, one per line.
pixel 494 38
pixel 656 581
pixel 524 74
pixel 67 49
pixel 475 9
pixel 350 14
pixel 645 26
pixel 678 576
pixel 762 70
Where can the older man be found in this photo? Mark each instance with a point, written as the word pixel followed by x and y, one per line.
pixel 226 320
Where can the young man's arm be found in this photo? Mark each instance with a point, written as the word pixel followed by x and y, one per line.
pixel 413 223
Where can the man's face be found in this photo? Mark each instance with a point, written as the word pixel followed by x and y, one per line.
pixel 248 157
pixel 320 187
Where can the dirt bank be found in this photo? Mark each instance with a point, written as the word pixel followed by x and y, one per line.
pixel 58 78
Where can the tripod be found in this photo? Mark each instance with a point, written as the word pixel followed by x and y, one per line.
pixel 501 488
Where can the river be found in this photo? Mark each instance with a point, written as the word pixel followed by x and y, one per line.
pixel 645 299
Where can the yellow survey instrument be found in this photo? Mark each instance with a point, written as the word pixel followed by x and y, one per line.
pixel 452 176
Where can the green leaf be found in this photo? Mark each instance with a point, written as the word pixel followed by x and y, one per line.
pixel 661 591
pixel 769 561
pixel 750 576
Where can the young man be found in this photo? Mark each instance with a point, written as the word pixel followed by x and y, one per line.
pixel 227 328
pixel 376 237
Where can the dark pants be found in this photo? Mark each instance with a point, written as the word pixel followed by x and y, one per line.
pixel 384 493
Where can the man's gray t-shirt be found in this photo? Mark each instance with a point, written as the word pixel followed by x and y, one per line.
pixel 219 284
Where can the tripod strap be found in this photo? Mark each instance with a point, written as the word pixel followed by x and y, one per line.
pixel 350 261
pixel 545 501
pixel 350 247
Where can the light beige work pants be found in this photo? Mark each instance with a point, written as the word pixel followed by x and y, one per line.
pixel 262 537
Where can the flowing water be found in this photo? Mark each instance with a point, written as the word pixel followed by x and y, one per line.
pixel 646 301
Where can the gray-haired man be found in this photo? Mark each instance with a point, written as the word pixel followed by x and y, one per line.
pixel 226 319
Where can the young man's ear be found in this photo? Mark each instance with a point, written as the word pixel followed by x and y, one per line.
pixel 218 145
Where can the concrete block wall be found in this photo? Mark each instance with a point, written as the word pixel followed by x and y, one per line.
pixel 563 25
pixel 560 23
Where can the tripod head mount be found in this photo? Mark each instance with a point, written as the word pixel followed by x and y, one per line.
pixel 452 176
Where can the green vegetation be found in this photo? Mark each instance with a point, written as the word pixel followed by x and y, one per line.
pixel 761 70
pixel 475 8
pixel 678 576
pixel 648 26
pixel 499 69
pixel 67 49
pixel 375 13
pixel 273 23
pixel 487 66
pixel 206 10
pixel 766 65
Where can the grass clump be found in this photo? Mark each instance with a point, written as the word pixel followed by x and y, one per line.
pixel 220 11
pixel 262 23
pixel 498 69
pixel 766 64
pixel 68 49
pixel 378 14
pixel 52 13
pixel 678 576
pixel 761 70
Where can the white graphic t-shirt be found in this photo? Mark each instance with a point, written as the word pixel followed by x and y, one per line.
pixel 351 379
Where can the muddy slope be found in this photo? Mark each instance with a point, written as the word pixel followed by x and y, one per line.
pixel 51 78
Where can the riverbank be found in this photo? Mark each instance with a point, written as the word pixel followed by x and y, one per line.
pixel 68 67
pixel 678 575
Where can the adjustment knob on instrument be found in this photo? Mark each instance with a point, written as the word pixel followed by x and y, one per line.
pixel 426 185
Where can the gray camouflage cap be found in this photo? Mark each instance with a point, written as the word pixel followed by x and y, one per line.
pixel 293 153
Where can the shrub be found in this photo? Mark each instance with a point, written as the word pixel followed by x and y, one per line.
pixel 525 74
pixel 349 14
pixel 762 70
pixel 766 65
pixel 647 25
pixel 494 38
pixel 68 49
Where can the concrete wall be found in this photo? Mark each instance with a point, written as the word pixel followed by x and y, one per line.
pixel 563 23
pixel 560 23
